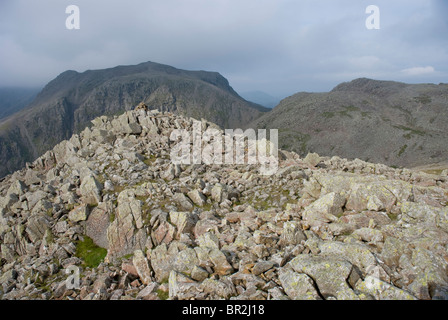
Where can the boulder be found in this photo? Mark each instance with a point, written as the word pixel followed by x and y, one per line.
pixel 79 213
pixel 330 274
pixel 312 159
pixel 298 286
pixel 183 201
pixel 324 210
pixel 378 195
pixel 218 289
pixel 197 197
pixel 357 254
pixel 98 222
pixel 182 287
pixel 125 233
pixel 184 222
pixel 90 190
pixel 142 267
pixel 382 290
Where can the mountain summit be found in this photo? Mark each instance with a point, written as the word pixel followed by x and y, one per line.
pixel 69 102
pixel 107 215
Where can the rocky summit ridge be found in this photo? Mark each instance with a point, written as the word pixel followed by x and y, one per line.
pixel 108 210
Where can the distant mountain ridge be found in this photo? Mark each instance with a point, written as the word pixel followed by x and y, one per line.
pixel 261 98
pixel 387 122
pixel 68 103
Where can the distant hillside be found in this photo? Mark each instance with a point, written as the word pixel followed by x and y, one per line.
pixel 261 98
pixel 69 102
pixel 15 99
pixel 379 121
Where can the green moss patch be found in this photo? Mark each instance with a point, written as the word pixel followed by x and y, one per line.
pixel 90 253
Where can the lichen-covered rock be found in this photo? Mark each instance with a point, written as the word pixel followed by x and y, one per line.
pixel 79 213
pixel 324 210
pixel 183 201
pixel 197 197
pixel 90 190
pixel 184 222
pixel 298 286
pixel 142 267
pixel 219 289
pixel 378 195
pixel 382 290
pixel 98 222
pixel 357 254
pixel 369 235
pixel 182 287
pixel 185 261
pixel 125 233
pixel 393 249
pixel 292 234
pixel 312 159
pixel 330 274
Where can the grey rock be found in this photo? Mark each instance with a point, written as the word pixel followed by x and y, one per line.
pixel 197 197
pixel 219 289
pixel 312 159
pixel 298 286
pixel 183 201
pixel 79 213
pixel 330 274
pixel 324 210
pixel 90 190
pixel 262 266
pixel 141 265
pixel 382 290
pixel 182 287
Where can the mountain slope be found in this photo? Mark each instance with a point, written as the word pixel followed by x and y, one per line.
pixel 380 121
pixel 68 103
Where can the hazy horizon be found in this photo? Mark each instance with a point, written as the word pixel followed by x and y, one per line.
pixel 277 47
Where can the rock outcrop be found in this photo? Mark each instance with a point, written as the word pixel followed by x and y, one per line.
pixel 109 203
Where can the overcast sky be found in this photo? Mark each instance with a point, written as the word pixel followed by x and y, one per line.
pixel 277 46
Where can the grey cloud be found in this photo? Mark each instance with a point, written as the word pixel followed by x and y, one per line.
pixel 278 46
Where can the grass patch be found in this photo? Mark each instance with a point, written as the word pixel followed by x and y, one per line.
pixel 328 115
pixel 163 295
pixel 366 114
pixel 112 217
pixel 350 108
pixel 345 112
pixel 402 150
pixel 146 209
pixel 89 252
pixel 393 216
pixel 149 161
pixel 70 206
pixel 437 172
pixel 412 131
pixel 423 99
